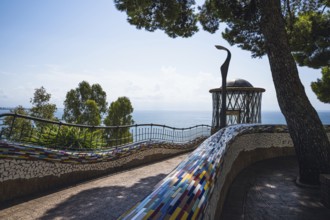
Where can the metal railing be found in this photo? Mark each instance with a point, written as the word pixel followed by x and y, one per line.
pixel 34 131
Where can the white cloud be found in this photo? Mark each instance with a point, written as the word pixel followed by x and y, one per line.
pixel 164 89
pixel 168 69
pixel 3 95
pixel 168 88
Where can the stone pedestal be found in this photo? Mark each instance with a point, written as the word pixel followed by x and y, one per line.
pixel 325 189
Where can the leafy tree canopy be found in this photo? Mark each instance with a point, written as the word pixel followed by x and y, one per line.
pixel 310 39
pixel 41 107
pixel 322 86
pixel 79 103
pixel 19 125
pixel 307 23
pixel 91 115
pixel 19 110
pixel 119 113
pixel 175 18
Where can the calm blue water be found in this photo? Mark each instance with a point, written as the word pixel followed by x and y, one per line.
pixel 187 119
pixel 183 119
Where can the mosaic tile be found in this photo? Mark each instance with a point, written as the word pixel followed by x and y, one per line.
pixel 186 192
pixel 183 194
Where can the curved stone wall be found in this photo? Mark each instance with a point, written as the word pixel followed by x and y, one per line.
pixel 25 170
pixel 196 189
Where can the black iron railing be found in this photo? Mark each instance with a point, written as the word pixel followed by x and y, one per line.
pixel 29 130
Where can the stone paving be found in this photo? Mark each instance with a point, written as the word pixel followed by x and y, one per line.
pixel 103 198
pixel 267 190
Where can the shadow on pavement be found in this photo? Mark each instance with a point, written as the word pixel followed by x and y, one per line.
pixel 103 202
pixel 267 190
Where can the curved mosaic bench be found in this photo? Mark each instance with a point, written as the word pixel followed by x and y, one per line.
pixel 25 170
pixel 196 189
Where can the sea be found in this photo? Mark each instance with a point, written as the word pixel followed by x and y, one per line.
pixel 184 119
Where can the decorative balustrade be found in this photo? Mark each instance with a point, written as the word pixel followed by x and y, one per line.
pixel 29 130
pixel 38 155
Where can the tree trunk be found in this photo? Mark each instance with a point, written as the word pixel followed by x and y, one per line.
pixel 307 132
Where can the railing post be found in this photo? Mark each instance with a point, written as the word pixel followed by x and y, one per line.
pixel 163 132
pixel 58 130
pixel 117 136
pixel 190 134
pixel 12 125
pixel 203 131
pixel 136 132
pixel 91 141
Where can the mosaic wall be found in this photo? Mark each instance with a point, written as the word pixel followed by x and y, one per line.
pixel 192 190
pixel 25 162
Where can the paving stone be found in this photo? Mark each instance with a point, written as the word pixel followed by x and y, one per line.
pixel 103 198
pixel 273 194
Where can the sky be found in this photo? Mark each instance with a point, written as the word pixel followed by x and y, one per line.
pixel 57 44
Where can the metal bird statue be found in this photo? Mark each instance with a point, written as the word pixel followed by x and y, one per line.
pixel 224 71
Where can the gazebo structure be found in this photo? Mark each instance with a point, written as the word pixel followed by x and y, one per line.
pixel 243 103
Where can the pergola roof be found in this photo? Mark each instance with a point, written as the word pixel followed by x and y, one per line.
pixel 232 89
pixel 238 85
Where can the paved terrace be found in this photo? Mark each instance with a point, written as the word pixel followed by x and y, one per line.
pixel 265 190
pixel 103 198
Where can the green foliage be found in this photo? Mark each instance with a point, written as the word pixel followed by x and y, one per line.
pixel 85 100
pixel 243 23
pixel 310 39
pixel 19 110
pixel 175 18
pixel 119 113
pixel 91 115
pixel 41 107
pixel 179 18
pixel 68 137
pixel 244 29
pixel 17 128
pixel 83 105
pixel 322 86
